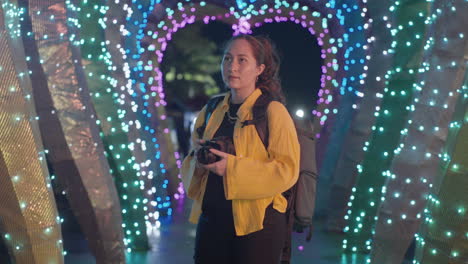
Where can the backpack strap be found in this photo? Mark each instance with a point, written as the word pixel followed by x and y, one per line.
pixel 210 107
pixel 260 118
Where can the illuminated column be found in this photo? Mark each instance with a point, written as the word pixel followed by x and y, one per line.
pixel 69 128
pixel 443 235
pixel 350 91
pixel 392 115
pixel 141 88
pixel 138 92
pixel 142 150
pixel 169 156
pixel 155 98
pixel 98 65
pixel 28 215
pixel 345 174
pixel 415 167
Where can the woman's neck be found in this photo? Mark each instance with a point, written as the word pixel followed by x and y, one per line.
pixel 238 96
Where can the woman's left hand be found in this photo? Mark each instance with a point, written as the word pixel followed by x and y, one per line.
pixel 219 167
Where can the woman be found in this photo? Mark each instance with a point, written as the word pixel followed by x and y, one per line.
pixel 238 201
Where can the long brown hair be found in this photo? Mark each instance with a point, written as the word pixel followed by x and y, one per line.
pixel 265 53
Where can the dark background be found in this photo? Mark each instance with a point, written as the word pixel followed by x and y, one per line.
pixel 198 49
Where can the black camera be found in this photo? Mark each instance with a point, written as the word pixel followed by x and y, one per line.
pixel 224 144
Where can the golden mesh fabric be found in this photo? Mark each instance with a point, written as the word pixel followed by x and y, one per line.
pixel 71 134
pixel 28 214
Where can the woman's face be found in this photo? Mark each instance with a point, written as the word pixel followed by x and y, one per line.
pixel 239 66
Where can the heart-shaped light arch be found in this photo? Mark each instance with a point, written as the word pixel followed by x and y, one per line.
pixel 336 78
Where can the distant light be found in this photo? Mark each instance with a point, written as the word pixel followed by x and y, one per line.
pixel 300 113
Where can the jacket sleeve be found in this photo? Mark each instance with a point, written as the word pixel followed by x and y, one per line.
pixel 191 174
pixel 248 178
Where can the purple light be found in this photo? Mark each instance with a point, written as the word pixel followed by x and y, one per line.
pixel 244 26
pixel 183 18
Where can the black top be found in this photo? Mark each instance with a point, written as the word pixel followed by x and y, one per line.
pixel 214 200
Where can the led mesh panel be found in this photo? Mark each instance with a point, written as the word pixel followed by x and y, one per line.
pixel 28 213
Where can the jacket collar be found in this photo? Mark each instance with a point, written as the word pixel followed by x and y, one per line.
pixel 246 106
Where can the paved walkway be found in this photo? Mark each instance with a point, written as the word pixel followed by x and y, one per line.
pixel 173 244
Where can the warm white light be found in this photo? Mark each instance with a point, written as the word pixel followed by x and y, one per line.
pixel 300 113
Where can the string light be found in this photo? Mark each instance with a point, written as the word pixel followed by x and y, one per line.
pixel 98 66
pixel 394 95
pixel 136 100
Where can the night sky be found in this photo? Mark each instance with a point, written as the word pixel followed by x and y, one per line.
pixel 300 59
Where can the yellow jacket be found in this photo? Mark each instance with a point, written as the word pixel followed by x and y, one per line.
pixel 254 177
